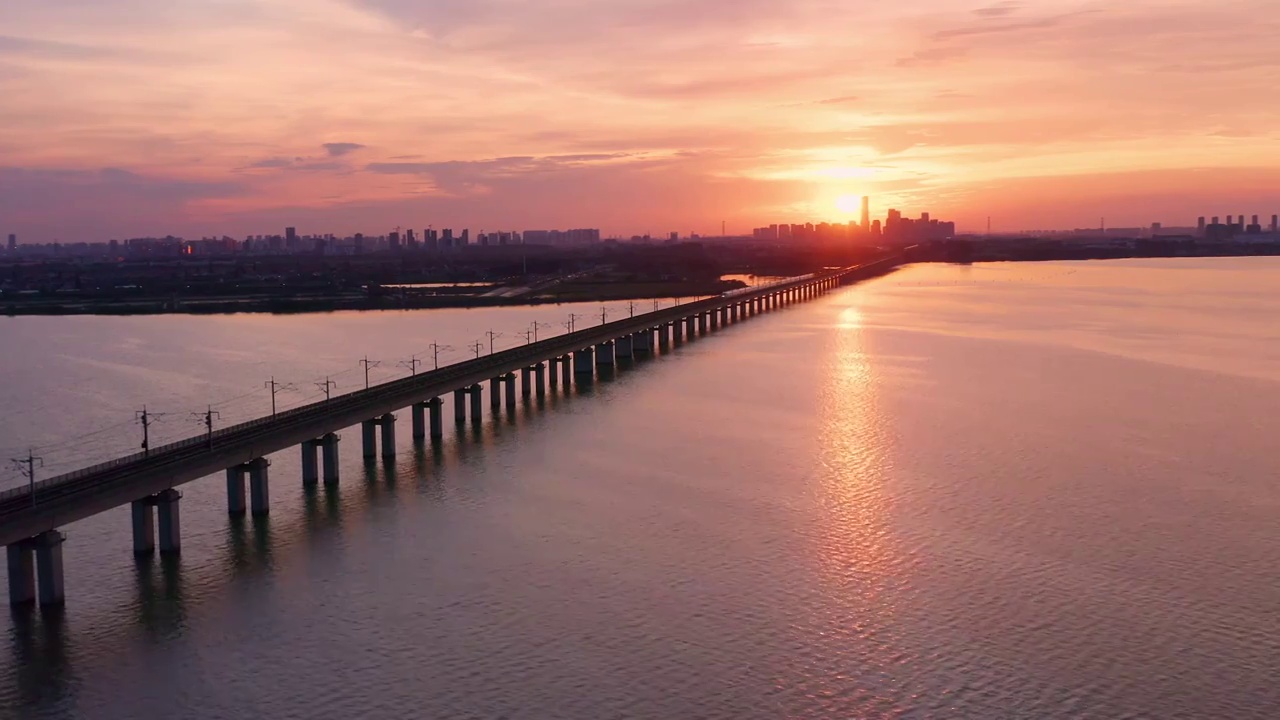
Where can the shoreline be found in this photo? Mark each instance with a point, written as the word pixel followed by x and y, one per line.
pixel 294 305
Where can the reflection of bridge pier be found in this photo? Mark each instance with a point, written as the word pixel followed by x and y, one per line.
pixel 147 482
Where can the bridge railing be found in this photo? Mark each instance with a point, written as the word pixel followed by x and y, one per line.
pixel 560 343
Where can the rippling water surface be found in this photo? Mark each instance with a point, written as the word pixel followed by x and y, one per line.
pixel 999 491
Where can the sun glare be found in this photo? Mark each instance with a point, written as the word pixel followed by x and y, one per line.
pixel 849 203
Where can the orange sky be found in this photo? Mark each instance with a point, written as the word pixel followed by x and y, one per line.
pixel 138 117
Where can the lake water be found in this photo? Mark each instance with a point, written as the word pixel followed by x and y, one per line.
pixel 997 491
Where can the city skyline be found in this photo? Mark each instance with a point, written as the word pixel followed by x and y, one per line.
pixel 134 117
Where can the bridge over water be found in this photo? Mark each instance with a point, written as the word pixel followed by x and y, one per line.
pixel 30 516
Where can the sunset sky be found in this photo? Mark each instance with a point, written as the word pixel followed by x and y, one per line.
pixel 198 117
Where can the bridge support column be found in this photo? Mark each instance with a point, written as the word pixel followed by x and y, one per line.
pixel 310 469
pixel 369 438
pixel 144 529
pixel 235 489
pixel 168 520
pixel 604 354
pixel 642 342
pixel 733 312
pixel 690 328
pixel 259 488
pixel 582 362
pixel 624 347
pixel 526 382
pixel 715 319
pixel 388 423
pixel 566 371
pixel 477 415
pixel 555 372
pixel 329 451
pixel 702 323
pixel 664 337
pixel 436 407
pixel 22 572
pixel 540 376
pixel 49 583
pixel 510 392
pixel 495 393
pixel 460 406
pixel 419 418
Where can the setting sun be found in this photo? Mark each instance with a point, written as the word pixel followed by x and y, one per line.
pixel 849 203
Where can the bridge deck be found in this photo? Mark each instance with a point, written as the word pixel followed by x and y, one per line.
pixel 86 492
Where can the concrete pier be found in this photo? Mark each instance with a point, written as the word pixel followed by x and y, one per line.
pixel 690 327
pixel 329 453
pixel 526 382
pixel 566 372
pixel 235 489
pixel 259 487
pixel 35 570
pixel 664 337
pixel 388 423
pixel 604 354
pixel 642 342
pixel 168 520
pixel 369 439
pixel 49 583
pixel 540 375
pixel 583 362
pixel 495 393
pixel 144 528
pixel 623 347
pixel 510 392
pixel 21 557
pixel 435 410
pixel 702 323
pixel 310 468
pixel 460 406
pixel 477 414
pixel 418 411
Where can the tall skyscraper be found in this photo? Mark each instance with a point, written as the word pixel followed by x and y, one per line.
pixel 1275 224
pixel 866 212
pixel 13 243
pixel 1200 225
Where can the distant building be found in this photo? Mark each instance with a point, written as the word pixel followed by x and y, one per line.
pixel 13 243
pixel 866 212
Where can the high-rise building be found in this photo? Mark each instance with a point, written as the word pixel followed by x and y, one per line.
pixel 13 243
pixel 1275 224
pixel 866 212
pixel 1200 225
pixel 291 236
